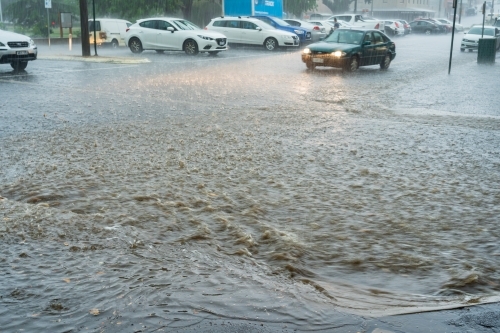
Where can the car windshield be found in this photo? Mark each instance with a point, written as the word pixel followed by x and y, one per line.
pixel 345 37
pixel 478 31
pixel 280 21
pixel 186 25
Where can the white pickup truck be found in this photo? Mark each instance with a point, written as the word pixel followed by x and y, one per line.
pixel 358 20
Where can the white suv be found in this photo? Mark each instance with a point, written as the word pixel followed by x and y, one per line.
pixel 16 49
pixel 248 30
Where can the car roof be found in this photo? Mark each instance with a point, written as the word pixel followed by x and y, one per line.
pixel 159 18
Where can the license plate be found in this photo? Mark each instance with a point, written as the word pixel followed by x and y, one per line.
pixel 318 60
pixel 21 52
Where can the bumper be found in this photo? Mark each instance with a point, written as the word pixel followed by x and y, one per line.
pixel 219 44
pixel 468 45
pixel 289 42
pixel 8 56
pixel 325 60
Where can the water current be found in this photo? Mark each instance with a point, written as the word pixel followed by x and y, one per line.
pixel 249 211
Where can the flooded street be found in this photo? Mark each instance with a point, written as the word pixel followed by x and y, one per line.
pixel 243 186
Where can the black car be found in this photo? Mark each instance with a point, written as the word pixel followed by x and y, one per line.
pixel 350 48
pixel 424 27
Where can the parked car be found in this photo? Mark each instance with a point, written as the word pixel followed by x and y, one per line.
pixel 252 31
pixel 16 50
pixel 424 27
pixel 458 27
pixel 443 27
pixel 317 32
pixel 394 28
pixel 406 26
pixel 351 48
pixel 358 20
pixel 471 11
pixel 108 32
pixel 173 34
pixel 319 16
pixel 304 34
pixel 470 41
pixel 329 25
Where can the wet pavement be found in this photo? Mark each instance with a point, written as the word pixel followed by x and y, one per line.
pixel 160 192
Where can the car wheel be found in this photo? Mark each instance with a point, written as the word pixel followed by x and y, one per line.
pixel 462 50
pixel 310 65
pixel 114 43
pixel 18 65
pixel 353 64
pixel 135 45
pixel 213 53
pixel 190 47
pixel 386 62
pixel 427 32
pixel 271 44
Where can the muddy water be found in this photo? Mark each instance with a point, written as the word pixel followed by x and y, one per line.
pixel 249 211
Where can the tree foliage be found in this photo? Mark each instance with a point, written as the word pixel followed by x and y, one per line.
pixel 298 7
pixel 338 6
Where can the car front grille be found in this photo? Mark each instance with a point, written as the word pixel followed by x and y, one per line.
pixel 221 41
pixel 17 44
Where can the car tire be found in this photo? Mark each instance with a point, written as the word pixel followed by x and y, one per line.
pixel 213 53
pixel 19 65
pixel 427 32
pixel 271 44
pixel 190 47
pixel 352 64
pixel 135 45
pixel 114 43
pixel 310 65
pixel 386 62
pixel 462 50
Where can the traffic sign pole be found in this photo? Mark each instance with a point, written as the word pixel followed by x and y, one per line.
pixel 48 4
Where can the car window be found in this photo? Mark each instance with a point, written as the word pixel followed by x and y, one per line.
pixel 478 31
pixel 151 24
pixel 186 25
pixel 345 36
pixel 369 37
pixel 97 25
pixel 378 38
pixel 268 21
pixel 280 21
pixel 220 23
pixel 248 25
pixel 294 23
pixel 163 25
pixel 233 24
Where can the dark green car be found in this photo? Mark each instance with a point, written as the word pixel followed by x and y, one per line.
pixel 349 48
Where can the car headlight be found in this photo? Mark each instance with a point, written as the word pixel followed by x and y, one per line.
pixel 32 43
pixel 205 37
pixel 306 51
pixel 338 54
pixel 2 44
pixel 299 32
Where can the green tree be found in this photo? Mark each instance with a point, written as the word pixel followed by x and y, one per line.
pixel 338 6
pixel 298 7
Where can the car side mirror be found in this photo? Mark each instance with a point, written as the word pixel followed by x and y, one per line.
pixel 170 29
pixel 259 28
pixel 367 42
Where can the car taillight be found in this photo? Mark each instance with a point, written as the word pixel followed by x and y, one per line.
pixel 397 25
pixel 316 27
pixel 377 26
pixel 205 28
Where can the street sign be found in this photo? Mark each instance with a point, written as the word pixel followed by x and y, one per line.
pixel 48 3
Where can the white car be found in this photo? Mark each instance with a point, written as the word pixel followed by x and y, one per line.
pixel 16 49
pixel 470 41
pixel 458 27
pixel 252 31
pixel 329 25
pixel 317 31
pixel 173 34
pixel 358 20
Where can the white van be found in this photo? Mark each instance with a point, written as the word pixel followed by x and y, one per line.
pixel 108 31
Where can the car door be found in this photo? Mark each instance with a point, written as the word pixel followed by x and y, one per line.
pixel 250 33
pixel 147 33
pixel 232 31
pixel 166 39
pixel 380 49
pixel 368 53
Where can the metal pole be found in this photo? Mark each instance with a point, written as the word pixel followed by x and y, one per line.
pixel 460 14
pixel 93 13
pixel 253 7
pixel 356 6
pixel 1 16
pixel 452 33
pixel 372 9
pixel 48 26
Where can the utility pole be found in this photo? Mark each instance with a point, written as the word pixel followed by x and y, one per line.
pixel 1 16
pixel 356 6
pixel 84 24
